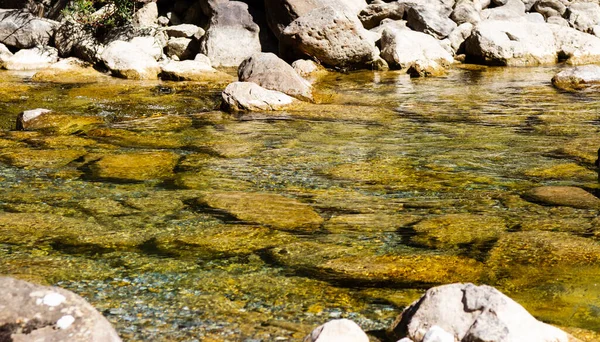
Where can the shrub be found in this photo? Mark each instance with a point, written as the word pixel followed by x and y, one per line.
pixel 100 14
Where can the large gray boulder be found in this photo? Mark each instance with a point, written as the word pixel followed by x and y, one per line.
pixel 23 30
pixel 576 47
pixel 181 48
pixel 512 43
pixel 466 11
pixel 337 330
pixel 146 16
pixel 126 60
pixel 271 72
pixel 30 312
pixel 583 15
pixel 428 18
pixel 31 59
pixel 577 78
pixel 403 48
pixel 473 313
pixel 249 96
pixel 376 12
pixel 232 35
pixel 332 37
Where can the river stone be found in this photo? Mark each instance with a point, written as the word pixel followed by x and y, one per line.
pixel 583 15
pixel 550 8
pixel 22 30
pixel 30 312
pixel 181 48
pixel 134 166
pixel 428 19
pixel 40 159
pixel 459 36
pixel 466 11
pixel 512 10
pixel 403 48
pixel 337 330
pixel 269 209
pixel 184 31
pixel 146 16
pixel 453 230
pixel 567 196
pixel 41 119
pixel 231 36
pixel 375 13
pixel 31 59
pixel 150 45
pixel 306 67
pixel 512 43
pixel 567 171
pixel 192 70
pixel 5 54
pixel 126 60
pixel 69 70
pixel 331 37
pixel 473 313
pixel 271 72
pixel 248 96
pixel 575 46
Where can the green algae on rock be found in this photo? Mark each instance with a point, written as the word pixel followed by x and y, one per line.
pixel 70 70
pixel 563 171
pixel 563 196
pixel 59 123
pixel 37 159
pixel 269 209
pixel 455 230
pixel 147 139
pixel 132 166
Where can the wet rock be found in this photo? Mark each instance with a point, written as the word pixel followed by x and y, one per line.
pixel 583 15
pixel 453 230
pixel 146 16
pixel 40 159
pixel 375 13
pixel 193 70
pixel 512 43
pixel 70 70
pixel 568 171
pixel 33 312
pixel 472 313
pixel 332 37
pixel 231 36
pixel 403 48
pixel 248 96
pixel 576 47
pixel 151 138
pixel 184 31
pixel 126 60
pixel 134 166
pixel 269 209
pixel 181 48
pixel 338 330
pixel 23 30
pixel 306 68
pixel 271 72
pixel 567 196
pixel 428 19
pixel 31 59
pixel 45 120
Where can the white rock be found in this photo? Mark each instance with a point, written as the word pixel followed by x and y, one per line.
pixel 185 31
pixel 65 321
pixel 31 59
pixel 150 45
pixel 126 60
pixel 577 47
pixel 53 299
pixel 191 71
pixel 437 334
pixel 146 16
pixel 248 96
pixel 339 330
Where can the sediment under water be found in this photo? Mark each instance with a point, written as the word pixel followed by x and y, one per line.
pixel 180 222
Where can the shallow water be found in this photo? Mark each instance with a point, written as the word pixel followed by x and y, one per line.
pixel 158 216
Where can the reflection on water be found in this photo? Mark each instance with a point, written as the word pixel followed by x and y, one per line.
pixel 180 222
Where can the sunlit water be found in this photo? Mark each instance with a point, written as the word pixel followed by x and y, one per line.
pixel 414 183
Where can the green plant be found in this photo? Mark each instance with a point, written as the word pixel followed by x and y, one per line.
pixel 100 14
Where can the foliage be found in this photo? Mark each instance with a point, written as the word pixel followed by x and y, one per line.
pixel 100 14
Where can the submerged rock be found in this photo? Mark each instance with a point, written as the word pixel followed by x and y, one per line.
pixel 248 96
pixel 134 166
pixel 338 330
pixel 39 313
pixel 269 209
pixel 41 119
pixel 40 159
pixel 568 196
pixel 577 78
pixel 472 313
pixel 271 72
pixel 70 70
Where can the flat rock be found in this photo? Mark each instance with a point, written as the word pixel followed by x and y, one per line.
pixel 268 209
pixel 30 312
pixel 248 96
pixel 69 70
pixel 134 166
pixel 567 196
pixel 192 70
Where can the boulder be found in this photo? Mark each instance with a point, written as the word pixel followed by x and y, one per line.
pixel 248 96
pixel 512 10
pixel 181 48
pixel 231 36
pixel 466 11
pixel 512 43
pixel 306 67
pixel 577 78
pixel 427 19
pixel 271 72
pixel 5 54
pixel 331 37
pixel 459 36
pixel 30 312
pixel 146 16
pixel 550 8
pixel 472 313
pixel 69 70
pixel 31 59
pixel 404 48
pixel 195 70
pixel 185 31
pixel 567 196
pixel 27 116
pixel 45 120
pixel 150 45
pixel 134 166
pixel 583 15
pixel 338 330
pixel 375 13
pixel 576 47
pixel 73 39
pixel 23 30
pixel 126 60
pixel 560 21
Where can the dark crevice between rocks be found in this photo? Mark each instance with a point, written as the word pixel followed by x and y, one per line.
pixel 9 329
pixel 222 215
pixel 79 249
